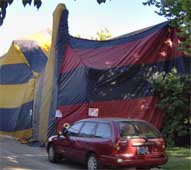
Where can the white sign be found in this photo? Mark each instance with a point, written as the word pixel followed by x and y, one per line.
pixel 93 112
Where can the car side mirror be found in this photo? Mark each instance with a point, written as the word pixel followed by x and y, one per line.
pixel 65 129
pixel 65 132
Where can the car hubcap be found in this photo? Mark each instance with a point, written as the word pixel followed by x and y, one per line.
pixel 92 163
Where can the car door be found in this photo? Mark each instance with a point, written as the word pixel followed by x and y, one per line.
pixel 83 141
pixel 66 143
pixel 103 143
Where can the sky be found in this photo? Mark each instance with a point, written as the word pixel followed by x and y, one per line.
pixel 86 17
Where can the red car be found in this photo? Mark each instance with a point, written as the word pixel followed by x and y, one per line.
pixel 115 142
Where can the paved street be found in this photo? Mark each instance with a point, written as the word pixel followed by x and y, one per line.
pixel 16 156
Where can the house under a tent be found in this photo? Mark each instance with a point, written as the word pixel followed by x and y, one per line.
pixel 21 79
pixel 108 78
pixel 84 78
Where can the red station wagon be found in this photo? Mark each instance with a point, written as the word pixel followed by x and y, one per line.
pixel 115 142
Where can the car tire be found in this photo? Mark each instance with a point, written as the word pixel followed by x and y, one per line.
pixel 52 155
pixel 92 162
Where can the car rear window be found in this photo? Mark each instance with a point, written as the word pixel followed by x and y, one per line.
pixel 137 129
pixel 147 130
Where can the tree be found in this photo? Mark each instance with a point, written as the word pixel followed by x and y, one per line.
pixel 174 92
pixel 178 12
pixel 5 3
pixel 37 3
pixel 103 34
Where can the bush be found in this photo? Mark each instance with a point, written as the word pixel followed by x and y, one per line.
pixel 174 92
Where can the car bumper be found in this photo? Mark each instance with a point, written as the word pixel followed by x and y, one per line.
pixel 134 161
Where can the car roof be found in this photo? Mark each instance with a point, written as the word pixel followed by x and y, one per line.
pixel 113 119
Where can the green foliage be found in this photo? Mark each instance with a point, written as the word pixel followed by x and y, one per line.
pixel 179 13
pixel 174 93
pixel 103 34
pixel 5 3
pixel 3 7
pixel 101 1
pixel 37 3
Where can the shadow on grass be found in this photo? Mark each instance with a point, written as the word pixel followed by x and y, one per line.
pixel 179 159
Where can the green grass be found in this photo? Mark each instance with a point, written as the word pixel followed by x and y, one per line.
pixel 179 159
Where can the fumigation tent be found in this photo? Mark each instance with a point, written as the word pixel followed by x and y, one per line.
pixel 21 79
pixel 109 78
pixel 84 78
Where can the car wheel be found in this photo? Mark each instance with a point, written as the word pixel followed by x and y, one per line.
pixel 92 162
pixel 52 156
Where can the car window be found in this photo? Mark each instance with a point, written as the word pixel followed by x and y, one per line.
pixel 74 129
pixel 127 129
pixel 103 130
pixel 88 129
pixel 147 130
pixel 137 129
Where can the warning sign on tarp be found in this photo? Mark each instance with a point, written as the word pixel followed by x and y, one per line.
pixel 93 112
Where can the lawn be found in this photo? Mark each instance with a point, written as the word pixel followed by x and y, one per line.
pixel 179 159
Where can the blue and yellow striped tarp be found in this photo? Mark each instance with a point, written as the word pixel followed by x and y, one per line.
pixel 21 73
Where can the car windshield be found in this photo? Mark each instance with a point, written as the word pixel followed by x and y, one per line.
pixel 137 129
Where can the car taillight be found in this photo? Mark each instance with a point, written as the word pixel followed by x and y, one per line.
pixel 116 148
